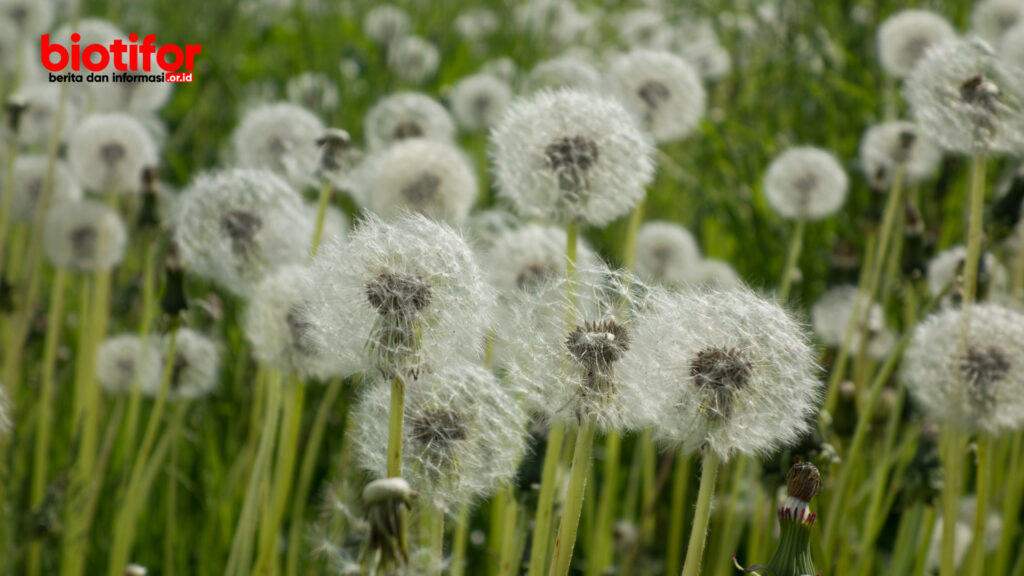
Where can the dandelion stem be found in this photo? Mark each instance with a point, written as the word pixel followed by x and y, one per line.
pixel 954 446
pixel 459 540
pixel 974 230
pixel 436 541
pixel 545 501
pixel 1011 504
pixel 676 517
pixel 796 244
pixel 629 246
pixel 569 524
pixel 600 554
pixel 395 427
pixel 510 517
pixel 701 517
pixel 5 202
pixel 983 487
pixel 321 213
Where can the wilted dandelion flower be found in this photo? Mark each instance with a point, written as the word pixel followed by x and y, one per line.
pixel 463 435
pixel 385 23
pixel 478 101
pixel 29 178
pixel 279 137
pixel 38 119
pixel 946 269
pixel 904 37
pixel 966 99
pixel 126 361
pixel 571 156
pixel 400 298
pixel 990 19
pixel 30 17
pixel 195 366
pixel 431 178
pixel 407 115
pixel 84 236
pixel 733 372
pixel 831 316
pixel 134 97
pixel 661 89
pixel 977 387
pixel 665 252
pixel 886 147
pixel 805 183
pixel 313 91
pixel 236 226
pixel 413 59
pixel 108 152
pixel 565 71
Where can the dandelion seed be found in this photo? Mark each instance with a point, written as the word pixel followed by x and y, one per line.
pixel 478 101
pixel 407 115
pixel 385 23
pixel 570 72
pixel 29 177
pixel 84 236
pixel 805 183
pixel 281 137
pixel 430 178
pixel 127 361
pixel 980 387
pixel 108 152
pixel 662 90
pixel 571 156
pixel 413 59
pixel 666 253
pixel 905 37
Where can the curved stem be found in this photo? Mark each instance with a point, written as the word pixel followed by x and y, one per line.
pixel 702 516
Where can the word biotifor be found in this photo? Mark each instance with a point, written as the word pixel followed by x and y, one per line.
pixel 125 57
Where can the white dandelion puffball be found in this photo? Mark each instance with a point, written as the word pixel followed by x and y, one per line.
pixel 413 59
pixel 108 152
pixel 29 17
pixel 313 91
pixel 571 156
pixel 476 24
pixel 889 146
pixel 711 59
pixel 566 71
pixel 195 366
pixel 904 37
pixel 712 274
pixel 30 177
pixel 335 224
pixel 385 23
pixel 665 252
pixel 38 119
pixel 407 115
pixel 279 137
pixel 133 97
pixel 399 298
pixel 526 260
pixel 236 226
pixel 478 101
pixel 832 313
pixel 991 19
pixel 278 326
pixel 485 227
pixel 805 183
pixel 979 386
pixel 733 371
pixel 463 435
pixel 945 269
pixel 1011 47
pixel 84 236
pixel 576 356
pixel 662 90
pixel 431 178
pixel 965 99
pixel 127 361
pixel 556 22
pixel 646 28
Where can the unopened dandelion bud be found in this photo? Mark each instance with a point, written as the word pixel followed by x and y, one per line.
pixel 793 557
pixel 386 503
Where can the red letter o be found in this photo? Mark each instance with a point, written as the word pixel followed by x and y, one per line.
pixel 95 49
pixel 161 57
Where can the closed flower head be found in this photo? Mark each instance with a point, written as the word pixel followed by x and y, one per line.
pixel 805 183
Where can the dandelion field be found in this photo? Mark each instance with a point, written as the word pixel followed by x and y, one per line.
pixel 547 287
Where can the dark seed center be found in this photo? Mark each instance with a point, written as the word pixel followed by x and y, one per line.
pixel 400 294
pixel 112 153
pixel 719 373
pixel 654 93
pixel 84 240
pixel 571 157
pixel 422 191
pixel 983 368
pixel 533 276
pixel 438 430
pixel 407 129
pixel 598 343
pixel 240 227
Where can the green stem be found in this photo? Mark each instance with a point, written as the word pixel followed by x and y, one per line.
pixel 459 540
pixel 629 246
pixel 600 554
pixel 569 524
pixel 395 427
pixel 1011 504
pixel 545 500
pixel 974 229
pixel 983 487
pixel 954 445
pixel 8 194
pixel 702 516
pixel 680 486
pixel 172 487
pixel 321 213
pixel 510 516
pixel 796 244
pixel 924 541
pixel 436 541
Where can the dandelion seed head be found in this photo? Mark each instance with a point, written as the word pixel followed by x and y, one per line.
pixel 966 100
pixel 38 119
pixel 108 152
pixel 1011 46
pixel 646 28
pixel 806 183
pixel 991 19
pixel 236 226
pixel 30 17
pixel 29 179
pixel 313 91
pixel 979 386
pixel 886 147
pixel 407 115
pixel 710 58
pixel 832 313
pixel 662 90
pixel 946 269
pixel 385 23
pixel 427 177
pixel 556 22
pixel 485 227
pixel 478 101
pixel 709 273
pixel 195 366
pixel 125 361
pixel 476 24
pixel 570 156
pixel 665 252
pixel 567 71
pixel 84 236
pixel 905 37
pixel 280 137
pixel 413 59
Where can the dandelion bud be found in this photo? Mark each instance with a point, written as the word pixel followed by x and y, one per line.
pixel 421 176
pixel 666 253
pixel 385 23
pixel 478 101
pixel 313 91
pixel 886 148
pixel 991 19
pixel 904 37
pixel 386 502
pixel 399 298
pixel 977 387
pixel 966 100
pixel 407 115
pixel 30 172
pixel 805 183
pixel 280 137
pixel 571 156
pixel 127 361
pixel 569 72
pixel 946 269
pixel 413 59
pixel 108 152
pixel 195 366
pixel 84 236
pixel 235 226
pixel 662 90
